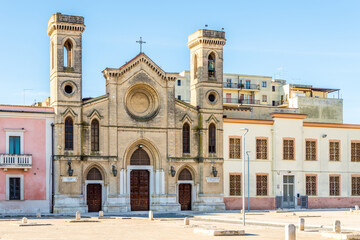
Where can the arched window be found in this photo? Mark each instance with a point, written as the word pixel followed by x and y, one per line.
pixel 212 138
pixel 186 138
pixel 140 157
pixel 185 174
pixel 94 174
pixel 69 134
pixel 195 66
pixel 211 65
pixel 95 135
pixel 67 54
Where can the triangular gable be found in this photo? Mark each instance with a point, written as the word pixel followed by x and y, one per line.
pixel 95 112
pixel 212 117
pixel 69 110
pixel 186 117
pixel 140 58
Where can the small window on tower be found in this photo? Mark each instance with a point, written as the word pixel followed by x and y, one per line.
pixel 67 54
pixel 179 97
pixel 211 65
pixel 179 82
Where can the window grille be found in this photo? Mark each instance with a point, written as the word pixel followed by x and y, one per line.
pixel 261 185
pixel 355 186
pixel 334 153
pixel 235 148
pixel 355 152
pixel 288 150
pixel 235 184
pixel 334 187
pixel 311 185
pixel 261 149
pixel 310 150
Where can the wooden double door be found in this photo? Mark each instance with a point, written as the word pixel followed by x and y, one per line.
pixel 185 196
pixel 93 192
pixel 139 190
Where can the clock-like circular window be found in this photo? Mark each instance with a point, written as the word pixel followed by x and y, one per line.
pixel 212 97
pixel 142 102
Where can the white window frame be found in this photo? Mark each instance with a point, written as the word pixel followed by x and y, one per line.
pixel 15 133
pixel 8 176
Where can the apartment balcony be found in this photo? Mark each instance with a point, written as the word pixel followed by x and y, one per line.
pixel 241 101
pixel 237 86
pixel 17 161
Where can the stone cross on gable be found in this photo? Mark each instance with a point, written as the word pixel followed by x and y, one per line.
pixel 140 42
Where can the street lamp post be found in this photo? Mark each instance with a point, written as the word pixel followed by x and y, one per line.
pixel 243 173
pixel 248 177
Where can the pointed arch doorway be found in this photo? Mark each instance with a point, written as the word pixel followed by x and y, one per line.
pixel 94 190
pixel 140 181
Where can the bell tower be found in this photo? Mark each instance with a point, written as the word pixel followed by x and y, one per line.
pixel 206 71
pixel 65 33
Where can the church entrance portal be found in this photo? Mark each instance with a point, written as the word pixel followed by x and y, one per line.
pixel 140 182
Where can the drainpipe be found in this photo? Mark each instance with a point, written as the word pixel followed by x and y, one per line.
pixel 52 167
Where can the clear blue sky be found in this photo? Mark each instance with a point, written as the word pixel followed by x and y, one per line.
pixel 309 42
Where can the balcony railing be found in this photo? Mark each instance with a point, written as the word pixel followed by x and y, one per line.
pixel 241 101
pixel 15 161
pixel 242 86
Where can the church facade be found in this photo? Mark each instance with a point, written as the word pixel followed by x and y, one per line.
pixel 137 147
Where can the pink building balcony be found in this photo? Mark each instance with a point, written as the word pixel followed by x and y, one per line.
pixel 22 161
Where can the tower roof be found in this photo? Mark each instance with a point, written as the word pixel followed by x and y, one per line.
pixel 60 21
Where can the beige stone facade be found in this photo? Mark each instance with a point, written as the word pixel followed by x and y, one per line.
pixel 138 114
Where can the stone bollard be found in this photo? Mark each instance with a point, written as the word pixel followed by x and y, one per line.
pixel 38 214
pixel 357 207
pixel 101 213
pixel 77 215
pixel 301 224
pixel 151 215
pixel 337 226
pixel 290 232
pixel 186 221
pixel 24 220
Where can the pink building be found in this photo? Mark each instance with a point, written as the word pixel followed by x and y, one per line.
pixel 25 158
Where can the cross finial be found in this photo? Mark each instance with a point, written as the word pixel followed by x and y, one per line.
pixel 140 42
